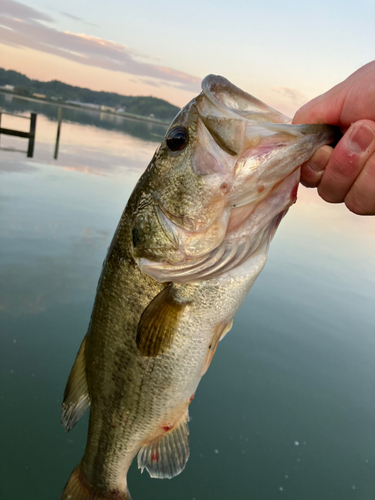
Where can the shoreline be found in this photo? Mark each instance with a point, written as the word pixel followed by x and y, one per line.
pixel 128 116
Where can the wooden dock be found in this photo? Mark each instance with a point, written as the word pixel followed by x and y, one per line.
pixel 26 135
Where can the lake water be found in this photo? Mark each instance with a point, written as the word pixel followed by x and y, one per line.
pixel 286 410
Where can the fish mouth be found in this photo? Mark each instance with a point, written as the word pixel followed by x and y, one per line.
pixel 259 154
pixel 265 147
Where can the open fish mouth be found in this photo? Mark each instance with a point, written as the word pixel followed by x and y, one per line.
pixel 247 157
pixel 266 148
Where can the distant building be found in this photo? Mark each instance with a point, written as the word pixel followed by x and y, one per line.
pixel 84 104
pixel 7 87
pixel 107 108
pixel 40 96
pixel 91 106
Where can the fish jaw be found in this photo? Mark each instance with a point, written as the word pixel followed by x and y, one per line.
pixel 247 234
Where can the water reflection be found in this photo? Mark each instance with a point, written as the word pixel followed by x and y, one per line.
pixel 147 131
pixel 85 144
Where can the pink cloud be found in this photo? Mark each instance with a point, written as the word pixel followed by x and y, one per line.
pixel 20 11
pixel 20 26
pixel 293 94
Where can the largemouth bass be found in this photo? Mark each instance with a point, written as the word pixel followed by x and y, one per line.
pixel 193 238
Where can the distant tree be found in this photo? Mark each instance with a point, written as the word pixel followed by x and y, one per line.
pixel 13 78
pixel 22 91
pixel 138 105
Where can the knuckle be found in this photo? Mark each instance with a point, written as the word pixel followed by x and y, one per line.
pixel 343 165
pixel 360 199
pixel 354 206
pixel 309 178
pixel 360 205
pixel 329 195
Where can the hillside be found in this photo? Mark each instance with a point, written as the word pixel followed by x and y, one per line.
pixel 56 90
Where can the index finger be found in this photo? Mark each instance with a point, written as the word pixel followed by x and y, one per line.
pixel 347 102
pixel 325 108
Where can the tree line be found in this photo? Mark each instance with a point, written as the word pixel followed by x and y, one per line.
pixel 59 91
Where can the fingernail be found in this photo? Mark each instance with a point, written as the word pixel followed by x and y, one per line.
pixel 320 159
pixel 360 138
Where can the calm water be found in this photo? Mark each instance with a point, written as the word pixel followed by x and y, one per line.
pixel 287 409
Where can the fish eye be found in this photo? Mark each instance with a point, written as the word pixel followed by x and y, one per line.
pixel 177 139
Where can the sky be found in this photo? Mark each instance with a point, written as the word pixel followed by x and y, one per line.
pixel 283 52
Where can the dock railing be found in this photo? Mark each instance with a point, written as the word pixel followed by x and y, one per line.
pixel 26 135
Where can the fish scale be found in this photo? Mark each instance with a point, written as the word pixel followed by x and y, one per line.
pixel 191 241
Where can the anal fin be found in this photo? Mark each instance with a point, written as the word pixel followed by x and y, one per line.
pixel 166 456
pixel 76 395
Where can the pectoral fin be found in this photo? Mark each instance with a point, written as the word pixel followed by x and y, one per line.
pixel 76 395
pixel 166 456
pixel 158 324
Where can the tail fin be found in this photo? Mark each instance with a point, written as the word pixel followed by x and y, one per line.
pixel 77 488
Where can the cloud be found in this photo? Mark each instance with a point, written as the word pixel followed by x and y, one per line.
pixel 66 14
pixel 293 94
pixel 148 81
pixel 20 27
pixel 71 16
pixel 20 11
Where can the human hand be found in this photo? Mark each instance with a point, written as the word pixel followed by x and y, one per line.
pixel 347 172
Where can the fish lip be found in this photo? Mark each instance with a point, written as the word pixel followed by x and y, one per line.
pixel 208 85
pixel 212 84
pixel 251 111
pixel 234 118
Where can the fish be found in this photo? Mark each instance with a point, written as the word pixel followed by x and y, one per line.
pixel 190 244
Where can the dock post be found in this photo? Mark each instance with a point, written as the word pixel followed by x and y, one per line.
pixel 30 149
pixel 59 118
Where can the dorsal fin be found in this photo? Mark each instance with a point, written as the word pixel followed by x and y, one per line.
pixel 158 323
pixel 166 456
pixel 76 395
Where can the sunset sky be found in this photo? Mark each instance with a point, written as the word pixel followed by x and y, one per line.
pixel 282 52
